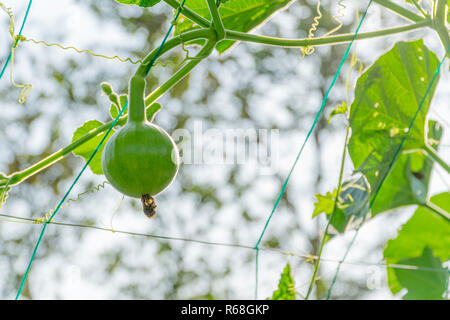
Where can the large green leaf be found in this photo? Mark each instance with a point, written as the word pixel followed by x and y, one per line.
pixel 286 286
pixel 387 96
pixel 141 3
pixel 237 15
pixel 424 230
pixel 86 149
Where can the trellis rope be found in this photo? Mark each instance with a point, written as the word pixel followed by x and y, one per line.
pixel 305 257
pixel 316 119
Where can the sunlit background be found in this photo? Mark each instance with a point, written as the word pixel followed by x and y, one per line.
pixel 250 86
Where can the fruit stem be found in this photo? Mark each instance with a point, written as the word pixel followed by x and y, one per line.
pixel 136 108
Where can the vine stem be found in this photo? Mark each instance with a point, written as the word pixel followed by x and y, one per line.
pixel 399 10
pixel 217 20
pixel 324 237
pixel 439 24
pixel 417 5
pixel 437 210
pixel 339 39
pixel 172 43
pixel 432 153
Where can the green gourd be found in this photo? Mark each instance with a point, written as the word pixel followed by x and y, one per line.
pixel 141 159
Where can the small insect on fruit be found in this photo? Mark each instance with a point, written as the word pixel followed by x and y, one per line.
pixel 140 160
pixel 149 205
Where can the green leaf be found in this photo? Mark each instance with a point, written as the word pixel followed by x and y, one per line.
pixel 89 147
pixel 448 15
pixel 152 111
pixel 141 3
pixel 4 189
pixel 387 96
pixel 114 109
pixel 237 15
pixel 340 109
pixel 3 177
pixel 286 286
pixel 423 284
pixel 324 204
pixel 424 230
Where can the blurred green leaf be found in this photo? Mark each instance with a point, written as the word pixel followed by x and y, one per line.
pixel 237 15
pixel 88 148
pixel 286 286
pixel 3 177
pixel 324 204
pixel 424 230
pixel 152 111
pixel 340 109
pixel 423 284
pixel 141 3
pixel 114 109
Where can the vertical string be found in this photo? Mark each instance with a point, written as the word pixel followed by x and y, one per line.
pixel 316 119
pixel 256 273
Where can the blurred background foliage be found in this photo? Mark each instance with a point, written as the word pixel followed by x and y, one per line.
pixel 250 86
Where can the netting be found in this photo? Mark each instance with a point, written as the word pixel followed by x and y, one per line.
pixel 48 219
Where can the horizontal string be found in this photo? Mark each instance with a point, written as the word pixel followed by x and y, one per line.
pixel 213 243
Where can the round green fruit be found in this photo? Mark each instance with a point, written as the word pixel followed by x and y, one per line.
pixel 141 158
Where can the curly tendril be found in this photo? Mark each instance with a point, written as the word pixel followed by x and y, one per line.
pixel 79 196
pixel 306 51
pixel 22 38
pixel 26 88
